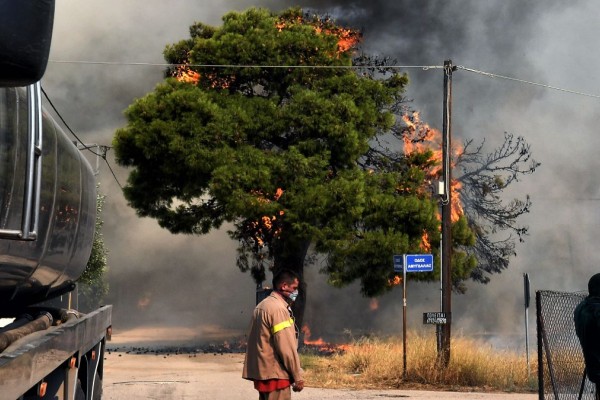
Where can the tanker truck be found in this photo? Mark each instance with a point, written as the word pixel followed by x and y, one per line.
pixel 47 224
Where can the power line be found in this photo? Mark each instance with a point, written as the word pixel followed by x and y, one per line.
pixel 84 146
pixel 270 66
pixel 112 172
pixel 65 123
pixel 491 75
pixel 422 67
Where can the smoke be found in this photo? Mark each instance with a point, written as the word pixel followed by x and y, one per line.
pixel 160 279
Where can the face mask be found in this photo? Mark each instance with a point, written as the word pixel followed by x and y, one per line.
pixel 292 296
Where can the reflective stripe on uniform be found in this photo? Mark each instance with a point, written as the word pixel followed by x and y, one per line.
pixel 282 325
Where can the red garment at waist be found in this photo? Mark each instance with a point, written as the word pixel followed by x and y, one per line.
pixel 271 385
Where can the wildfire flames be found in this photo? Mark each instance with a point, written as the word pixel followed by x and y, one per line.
pixel 144 301
pixel 267 225
pixel 347 40
pixel 321 345
pixel 373 304
pixel 395 281
pixel 425 244
pixel 419 136
pixel 185 74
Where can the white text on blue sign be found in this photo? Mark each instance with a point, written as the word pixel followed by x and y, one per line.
pixel 419 262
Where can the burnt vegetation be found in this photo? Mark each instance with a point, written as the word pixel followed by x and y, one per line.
pixel 485 178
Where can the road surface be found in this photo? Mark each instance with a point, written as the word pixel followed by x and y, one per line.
pixel 165 376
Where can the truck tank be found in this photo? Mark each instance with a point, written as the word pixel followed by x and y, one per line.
pixel 47 223
pixel 46 227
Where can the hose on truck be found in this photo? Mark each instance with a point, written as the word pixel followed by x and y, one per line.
pixel 39 323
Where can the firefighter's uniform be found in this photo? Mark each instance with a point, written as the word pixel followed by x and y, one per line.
pixel 272 351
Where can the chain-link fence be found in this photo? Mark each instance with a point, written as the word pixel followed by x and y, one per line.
pixel 560 360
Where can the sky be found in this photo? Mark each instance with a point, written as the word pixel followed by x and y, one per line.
pixel 160 279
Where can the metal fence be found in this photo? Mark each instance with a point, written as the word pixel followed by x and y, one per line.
pixel 560 360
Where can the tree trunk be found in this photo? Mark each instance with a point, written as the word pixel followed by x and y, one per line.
pixel 291 256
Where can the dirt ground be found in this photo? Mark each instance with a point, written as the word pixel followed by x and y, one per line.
pixel 218 376
pixel 134 370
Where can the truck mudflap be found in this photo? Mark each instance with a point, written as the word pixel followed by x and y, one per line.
pixel 63 362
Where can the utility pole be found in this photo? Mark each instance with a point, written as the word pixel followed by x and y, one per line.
pixel 100 152
pixel 446 256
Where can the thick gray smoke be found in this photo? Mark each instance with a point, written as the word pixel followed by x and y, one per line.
pixel 160 279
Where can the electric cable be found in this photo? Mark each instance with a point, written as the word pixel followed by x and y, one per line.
pixel 67 125
pixel 270 66
pixel 422 67
pixel 492 75
pixel 85 147
pixel 112 172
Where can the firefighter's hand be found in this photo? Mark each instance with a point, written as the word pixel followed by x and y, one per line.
pixel 298 386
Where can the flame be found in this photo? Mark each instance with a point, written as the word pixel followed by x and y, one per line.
pixel 425 244
pixel 395 281
pixel 307 334
pixel 267 222
pixel 183 73
pixel 278 193
pixel 419 136
pixel 373 304
pixel 267 226
pixel 322 345
pixel 347 38
pixel 144 301
pixel 456 210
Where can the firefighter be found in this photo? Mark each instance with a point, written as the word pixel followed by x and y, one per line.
pixel 272 360
pixel 587 327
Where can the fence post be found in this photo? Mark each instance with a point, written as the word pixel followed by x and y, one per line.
pixel 538 317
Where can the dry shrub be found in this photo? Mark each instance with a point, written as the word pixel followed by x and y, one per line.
pixel 378 363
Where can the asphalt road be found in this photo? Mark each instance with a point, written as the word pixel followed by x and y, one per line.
pixel 218 376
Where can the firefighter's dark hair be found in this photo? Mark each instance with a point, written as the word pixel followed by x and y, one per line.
pixel 284 276
pixel 594 285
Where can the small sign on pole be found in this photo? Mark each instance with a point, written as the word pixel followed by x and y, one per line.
pixel 398 263
pixel 435 318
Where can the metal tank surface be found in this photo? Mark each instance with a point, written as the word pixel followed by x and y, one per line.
pixel 46 227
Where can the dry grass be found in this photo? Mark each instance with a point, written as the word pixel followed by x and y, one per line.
pixel 378 363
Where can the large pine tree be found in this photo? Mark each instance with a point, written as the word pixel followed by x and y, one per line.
pixel 233 135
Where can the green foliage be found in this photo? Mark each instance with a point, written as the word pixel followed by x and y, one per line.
pixel 277 151
pixel 92 283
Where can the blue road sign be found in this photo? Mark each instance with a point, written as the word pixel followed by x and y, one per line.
pixel 398 263
pixel 419 262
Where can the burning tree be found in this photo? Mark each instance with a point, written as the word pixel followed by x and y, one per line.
pixel 479 213
pixel 484 177
pixel 285 155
